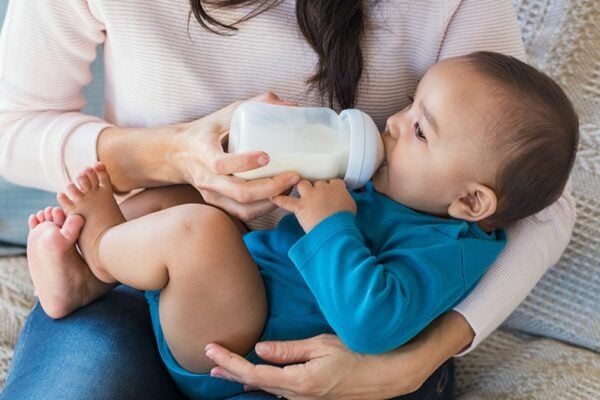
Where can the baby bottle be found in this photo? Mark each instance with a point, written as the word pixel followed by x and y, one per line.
pixel 315 142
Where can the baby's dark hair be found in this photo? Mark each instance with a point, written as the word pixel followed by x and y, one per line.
pixel 536 135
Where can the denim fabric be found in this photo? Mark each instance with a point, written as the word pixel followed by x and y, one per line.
pixel 103 351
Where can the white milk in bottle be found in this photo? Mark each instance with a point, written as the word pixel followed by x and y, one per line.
pixel 315 142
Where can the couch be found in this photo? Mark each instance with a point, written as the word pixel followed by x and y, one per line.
pixel 549 348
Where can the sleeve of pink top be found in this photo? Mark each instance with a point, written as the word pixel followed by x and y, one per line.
pixel 46 49
pixel 535 243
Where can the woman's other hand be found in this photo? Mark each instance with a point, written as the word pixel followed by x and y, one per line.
pixel 198 154
pixel 323 368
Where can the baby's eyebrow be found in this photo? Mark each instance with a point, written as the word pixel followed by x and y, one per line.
pixel 430 119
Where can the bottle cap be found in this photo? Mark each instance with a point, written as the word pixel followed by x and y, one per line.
pixel 366 148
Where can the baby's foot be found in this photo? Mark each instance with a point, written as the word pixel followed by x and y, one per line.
pixel 94 201
pixel 61 278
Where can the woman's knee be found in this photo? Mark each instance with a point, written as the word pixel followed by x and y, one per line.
pixel 110 337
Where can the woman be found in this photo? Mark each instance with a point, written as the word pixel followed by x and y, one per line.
pixel 164 70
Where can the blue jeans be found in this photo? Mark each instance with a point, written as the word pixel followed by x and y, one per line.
pixel 107 349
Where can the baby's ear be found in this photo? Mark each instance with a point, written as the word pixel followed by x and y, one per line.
pixel 477 204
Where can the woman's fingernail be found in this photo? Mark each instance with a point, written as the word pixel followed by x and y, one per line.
pixel 215 374
pixel 263 160
pixel 209 353
pixel 263 348
pixel 294 180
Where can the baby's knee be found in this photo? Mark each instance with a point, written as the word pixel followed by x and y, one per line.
pixel 193 220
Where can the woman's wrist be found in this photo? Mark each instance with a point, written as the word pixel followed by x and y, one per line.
pixel 139 157
pixel 445 337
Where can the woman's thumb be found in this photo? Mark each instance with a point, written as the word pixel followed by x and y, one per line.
pixel 288 352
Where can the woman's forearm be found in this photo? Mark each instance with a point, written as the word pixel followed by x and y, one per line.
pixel 192 153
pixel 446 336
pixel 534 244
pixel 139 157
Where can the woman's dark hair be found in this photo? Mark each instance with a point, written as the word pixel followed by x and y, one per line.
pixel 333 28
pixel 535 134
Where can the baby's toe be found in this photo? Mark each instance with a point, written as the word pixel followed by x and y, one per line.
pixel 32 221
pixel 58 215
pixel 72 227
pixel 48 213
pixel 102 175
pixel 64 201
pixel 40 216
pixel 74 193
pixel 92 176
pixel 84 183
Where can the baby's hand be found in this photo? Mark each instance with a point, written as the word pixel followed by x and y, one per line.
pixel 317 201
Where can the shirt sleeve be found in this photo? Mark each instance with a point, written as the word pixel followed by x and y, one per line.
pixel 376 303
pixel 46 51
pixel 535 243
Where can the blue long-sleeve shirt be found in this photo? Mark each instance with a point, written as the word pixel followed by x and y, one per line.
pixel 381 276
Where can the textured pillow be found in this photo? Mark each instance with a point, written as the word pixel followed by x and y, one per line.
pixel 16 300
pixel 562 38
pixel 510 365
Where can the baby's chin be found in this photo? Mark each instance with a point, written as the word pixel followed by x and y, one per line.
pixel 382 184
pixel 379 178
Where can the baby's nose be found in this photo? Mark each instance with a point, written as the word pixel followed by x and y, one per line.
pixel 388 130
pixel 394 132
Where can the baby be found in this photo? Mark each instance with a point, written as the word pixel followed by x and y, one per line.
pixel 487 140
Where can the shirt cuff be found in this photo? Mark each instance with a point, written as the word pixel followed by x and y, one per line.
pixel 309 244
pixel 80 147
pixel 478 338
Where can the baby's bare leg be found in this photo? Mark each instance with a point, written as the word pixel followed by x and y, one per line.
pixel 62 279
pixel 211 288
pixel 160 198
pixel 214 290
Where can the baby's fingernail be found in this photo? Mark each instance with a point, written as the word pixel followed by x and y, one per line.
pixel 263 160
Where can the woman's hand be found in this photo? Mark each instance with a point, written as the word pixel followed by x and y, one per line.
pixel 323 368
pixel 192 153
pixel 198 153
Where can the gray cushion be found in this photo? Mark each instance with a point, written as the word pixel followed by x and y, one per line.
pixel 562 38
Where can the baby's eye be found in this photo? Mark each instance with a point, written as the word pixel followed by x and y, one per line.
pixel 419 132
